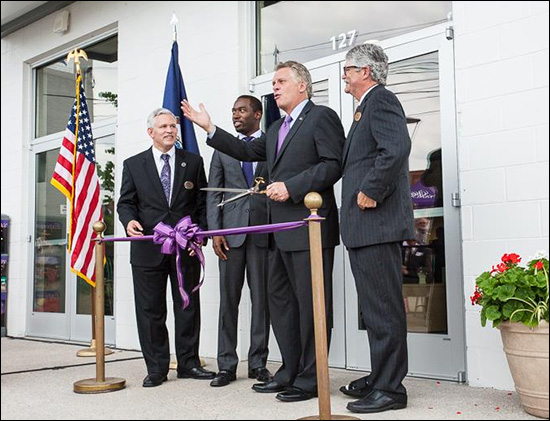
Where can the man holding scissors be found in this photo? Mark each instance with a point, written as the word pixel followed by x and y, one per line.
pixel 303 153
pixel 240 252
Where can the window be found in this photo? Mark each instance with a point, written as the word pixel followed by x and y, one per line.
pixel 307 30
pixel 55 87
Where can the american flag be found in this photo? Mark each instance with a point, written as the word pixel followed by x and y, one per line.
pixel 76 178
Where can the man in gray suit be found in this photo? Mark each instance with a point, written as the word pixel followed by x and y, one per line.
pixel 238 253
pixel 303 153
pixel 376 217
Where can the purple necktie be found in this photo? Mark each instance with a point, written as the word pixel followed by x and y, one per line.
pixel 165 176
pixel 283 131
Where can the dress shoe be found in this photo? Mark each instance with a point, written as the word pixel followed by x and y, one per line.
pixel 269 387
pixel 197 373
pixel 295 394
pixel 357 389
pixel 154 379
pixel 223 378
pixel 376 401
pixel 262 374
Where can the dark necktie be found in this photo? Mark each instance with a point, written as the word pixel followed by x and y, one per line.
pixel 283 131
pixel 248 169
pixel 165 176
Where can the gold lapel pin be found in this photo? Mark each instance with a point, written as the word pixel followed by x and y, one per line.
pixel 357 116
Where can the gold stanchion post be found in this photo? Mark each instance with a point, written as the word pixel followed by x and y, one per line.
pixel 90 352
pixel 100 384
pixel 313 202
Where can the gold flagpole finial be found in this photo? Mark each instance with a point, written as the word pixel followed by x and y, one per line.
pixel 76 54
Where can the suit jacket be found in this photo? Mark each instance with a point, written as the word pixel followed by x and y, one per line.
pixel 142 199
pixel 375 162
pixel 309 160
pixel 226 171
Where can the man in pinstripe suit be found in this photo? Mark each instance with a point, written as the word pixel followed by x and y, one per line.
pixel 376 217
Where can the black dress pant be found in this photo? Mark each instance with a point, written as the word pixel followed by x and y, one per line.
pixel 378 279
pixel 291 310
pixel 253 260
pixel 150 301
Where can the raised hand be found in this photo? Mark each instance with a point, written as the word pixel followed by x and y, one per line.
pixel 200 118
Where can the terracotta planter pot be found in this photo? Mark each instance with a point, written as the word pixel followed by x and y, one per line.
pixel 527 353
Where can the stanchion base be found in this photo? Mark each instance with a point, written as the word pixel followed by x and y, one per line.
pixel 90 352
pixel 332 417
pixel 110 384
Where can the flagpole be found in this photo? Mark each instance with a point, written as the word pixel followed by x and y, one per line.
pixel 91 350
pixel 174 23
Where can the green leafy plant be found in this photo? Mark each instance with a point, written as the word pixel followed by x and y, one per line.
pixel 510 292
pixel 109 97
pixel 107 176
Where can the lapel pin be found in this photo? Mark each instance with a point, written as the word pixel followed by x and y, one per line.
pixel 357 116
pixel 188 185
pixel 183 164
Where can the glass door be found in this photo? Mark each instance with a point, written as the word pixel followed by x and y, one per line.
pixel 49 313
pixel 61 301
pixel 421 74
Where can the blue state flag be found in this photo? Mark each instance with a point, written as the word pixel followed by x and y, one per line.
pixel 271 110
pixel 174 93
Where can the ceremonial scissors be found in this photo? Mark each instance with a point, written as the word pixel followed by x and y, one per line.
pixel 240 192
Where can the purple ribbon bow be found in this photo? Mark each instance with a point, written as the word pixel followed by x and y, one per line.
pixel 185 235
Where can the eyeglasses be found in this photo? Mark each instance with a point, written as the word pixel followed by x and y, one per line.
pixel 347 68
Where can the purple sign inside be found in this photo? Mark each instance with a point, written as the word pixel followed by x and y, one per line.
pixel 423 196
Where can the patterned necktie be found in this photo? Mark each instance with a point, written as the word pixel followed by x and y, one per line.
pixel 248 169
pixel 165 176
pixel 283 131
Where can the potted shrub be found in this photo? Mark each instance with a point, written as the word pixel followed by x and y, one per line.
pixel 515 299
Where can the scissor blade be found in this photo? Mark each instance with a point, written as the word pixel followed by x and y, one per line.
pixel 243 194
pixel 226 190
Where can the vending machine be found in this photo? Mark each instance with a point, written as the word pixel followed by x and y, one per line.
pixel 4 246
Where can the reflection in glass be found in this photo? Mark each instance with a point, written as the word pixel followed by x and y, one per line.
pixel 415 81
pixel 55 87
pixel 105 155
pixel 306 30
pixel 50 241
pixel 84 290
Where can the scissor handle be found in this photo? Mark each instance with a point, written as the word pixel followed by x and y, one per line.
pixel 257 182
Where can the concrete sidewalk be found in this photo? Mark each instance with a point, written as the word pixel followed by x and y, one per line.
pixel 38 376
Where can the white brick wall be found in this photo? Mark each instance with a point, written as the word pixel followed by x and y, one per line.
pixel 502 102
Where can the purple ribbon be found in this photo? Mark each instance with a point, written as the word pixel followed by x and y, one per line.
pixel 187 235
pixel 182 237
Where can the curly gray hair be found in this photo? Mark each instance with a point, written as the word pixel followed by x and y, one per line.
pixel 372 56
